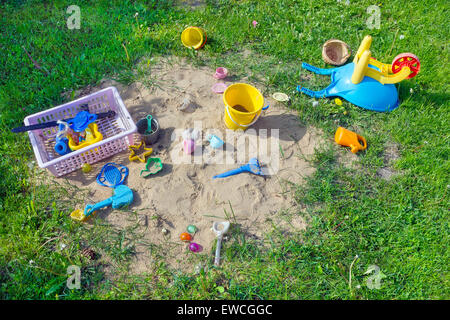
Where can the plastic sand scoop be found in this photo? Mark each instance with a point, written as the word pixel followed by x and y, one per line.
pixel 219 228
pixel 112 175
pixel 149 124
pixel 368 94
pixel 253 166
pixel 123 196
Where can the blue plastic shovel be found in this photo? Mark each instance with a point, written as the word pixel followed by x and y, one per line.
pixel 122 196
pixel 253 166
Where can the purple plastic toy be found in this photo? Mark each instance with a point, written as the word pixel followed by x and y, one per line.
pixel 194 247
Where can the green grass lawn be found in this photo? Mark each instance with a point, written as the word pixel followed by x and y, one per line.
pixel 399 224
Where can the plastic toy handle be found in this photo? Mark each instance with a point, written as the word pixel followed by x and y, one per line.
pixel 50 124
pixel 99 205
pixel 149 124
pixel 266 107
pixel 364 146
pixel 35 127
pixel 361 67
pixel 315 94
pixel 230 173
pixel 314 69
pixel 244 125
pixel 218 246
pixel 356 148
pixel 101 180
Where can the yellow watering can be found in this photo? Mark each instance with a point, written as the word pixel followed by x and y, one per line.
pixel 348 138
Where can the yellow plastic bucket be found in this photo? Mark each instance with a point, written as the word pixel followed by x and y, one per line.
pixel 243 106
pixel 193 37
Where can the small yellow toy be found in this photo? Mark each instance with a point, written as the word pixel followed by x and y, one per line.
pixel 404 66
pixel 136 148
pixel 79 215
pixel 92 135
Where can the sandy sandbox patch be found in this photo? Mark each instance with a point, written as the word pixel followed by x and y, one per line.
pixel 185 193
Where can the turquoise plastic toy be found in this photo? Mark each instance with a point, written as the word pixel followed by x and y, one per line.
pixel 368 94
pixel 253 166
pixel 214 141
pixel 123 196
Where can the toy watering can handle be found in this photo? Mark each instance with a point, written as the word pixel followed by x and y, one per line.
pixel 364 146
pixel 356 148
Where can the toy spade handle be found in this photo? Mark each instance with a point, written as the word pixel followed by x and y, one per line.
pixel 218 246
pixel 54 123
pixel 35 127
pixel 99 205
pixel 229 173
pixel 106 114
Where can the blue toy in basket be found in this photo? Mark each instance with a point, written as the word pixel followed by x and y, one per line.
pixel 77 124
pixel 82 120
pixel 112 175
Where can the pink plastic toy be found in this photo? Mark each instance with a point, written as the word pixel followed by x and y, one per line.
pixel 194 247
pixel 189 146
pixel 219 87
pixel 221 73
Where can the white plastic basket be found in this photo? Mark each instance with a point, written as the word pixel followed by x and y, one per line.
pixel 118 132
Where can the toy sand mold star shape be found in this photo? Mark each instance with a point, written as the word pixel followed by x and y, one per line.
pixel 139 152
